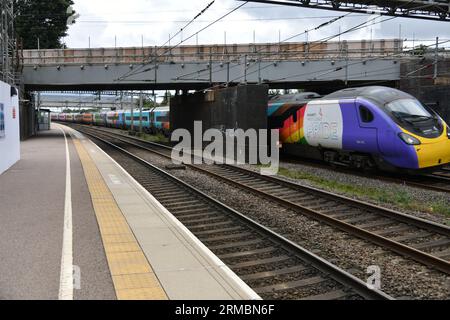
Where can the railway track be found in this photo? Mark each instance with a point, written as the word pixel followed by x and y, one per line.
pixel 273 266
pixel 421 240
pixel 444 173
pixel 437 181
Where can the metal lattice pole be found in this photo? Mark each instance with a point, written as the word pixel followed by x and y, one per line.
pixel 7 41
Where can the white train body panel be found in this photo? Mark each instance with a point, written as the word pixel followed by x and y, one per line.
pixel 323 124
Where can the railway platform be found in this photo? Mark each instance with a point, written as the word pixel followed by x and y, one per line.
pixel 75 225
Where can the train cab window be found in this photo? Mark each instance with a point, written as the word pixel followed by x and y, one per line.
pixel 294 117
pixel 366 114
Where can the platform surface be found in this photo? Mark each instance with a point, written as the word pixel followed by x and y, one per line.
pixel 32 200
pixel 125 245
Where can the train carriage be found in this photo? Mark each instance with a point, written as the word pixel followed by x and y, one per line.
pixel 88 118
pixel 369 127
pixel 78 118
pixel 137 119
pixel 70 117
pixel 153 121
pixel 116 119
pixel 99 119
pixel 161 119
pixel 62 117
pixel 54 116
pixel 103 116
pixel 110 117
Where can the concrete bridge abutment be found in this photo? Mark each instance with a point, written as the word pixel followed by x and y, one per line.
pixel 225 109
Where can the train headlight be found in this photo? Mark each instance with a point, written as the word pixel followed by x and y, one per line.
pixel 448 132
pixel 409 139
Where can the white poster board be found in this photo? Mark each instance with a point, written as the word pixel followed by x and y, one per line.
pixel 9 128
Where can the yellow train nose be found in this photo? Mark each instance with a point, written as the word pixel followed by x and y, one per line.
pixel 433 152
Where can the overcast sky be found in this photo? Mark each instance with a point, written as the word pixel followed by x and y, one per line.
pixel 153 20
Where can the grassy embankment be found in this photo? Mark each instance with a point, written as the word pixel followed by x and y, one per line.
pixel 150 137
pixel 401 198
pixel 155 138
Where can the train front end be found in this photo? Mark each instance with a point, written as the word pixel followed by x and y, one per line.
pixel 423 131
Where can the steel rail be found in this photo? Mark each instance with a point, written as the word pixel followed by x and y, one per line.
pixel 402 249
pixel 340 276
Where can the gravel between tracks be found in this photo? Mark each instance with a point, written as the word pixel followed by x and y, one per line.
pixel 401 278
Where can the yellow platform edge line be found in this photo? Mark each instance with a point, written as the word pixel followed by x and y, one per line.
pixel 132 275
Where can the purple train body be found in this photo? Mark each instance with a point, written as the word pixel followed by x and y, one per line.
pixel 366 127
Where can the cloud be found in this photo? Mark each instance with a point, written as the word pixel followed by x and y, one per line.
pixel 152 20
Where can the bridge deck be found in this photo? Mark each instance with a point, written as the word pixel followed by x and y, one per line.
pixel 195 67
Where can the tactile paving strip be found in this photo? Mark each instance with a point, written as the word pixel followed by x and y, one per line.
pixel 131 272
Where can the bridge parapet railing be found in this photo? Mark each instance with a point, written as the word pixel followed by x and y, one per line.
pixel 215 53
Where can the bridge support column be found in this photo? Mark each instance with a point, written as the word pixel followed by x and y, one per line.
pixel 27 117
pixel 417 79
pixel 241 107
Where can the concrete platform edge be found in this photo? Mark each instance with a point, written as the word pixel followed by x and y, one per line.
pixel 217 268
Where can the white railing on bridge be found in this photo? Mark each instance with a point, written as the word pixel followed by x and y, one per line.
pixel 215 53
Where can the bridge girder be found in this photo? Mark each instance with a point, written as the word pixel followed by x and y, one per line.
pixel 167 75
pixel 430 10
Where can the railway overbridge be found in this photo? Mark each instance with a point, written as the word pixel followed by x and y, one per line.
pixel 279 65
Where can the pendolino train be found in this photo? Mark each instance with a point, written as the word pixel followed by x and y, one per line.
pixel 153 121
pixel 367 127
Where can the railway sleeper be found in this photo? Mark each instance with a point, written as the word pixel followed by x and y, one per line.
pixel 247 253
pixel 291 285
pixel 432 244
pixel 274 273
pixel 215 231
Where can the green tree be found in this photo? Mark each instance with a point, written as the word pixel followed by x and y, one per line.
pixel 421 50
pixel 167 97
pixel 147 104
pixel 43 19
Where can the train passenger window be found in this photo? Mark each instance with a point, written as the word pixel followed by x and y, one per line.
pixel 366 114
pixel 162 119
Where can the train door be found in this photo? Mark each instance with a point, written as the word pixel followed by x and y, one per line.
pixel 146 119
pixel 103 119
pixel 122 122
pixel 366 139
pixel 152 126
pixel 152 118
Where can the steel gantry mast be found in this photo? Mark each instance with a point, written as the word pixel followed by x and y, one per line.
pixel 7 41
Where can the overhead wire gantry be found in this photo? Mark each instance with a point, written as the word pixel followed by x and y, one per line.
pixel 7 42
pixel 419 9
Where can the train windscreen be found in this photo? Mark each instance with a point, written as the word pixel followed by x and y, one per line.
pixel 415 117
